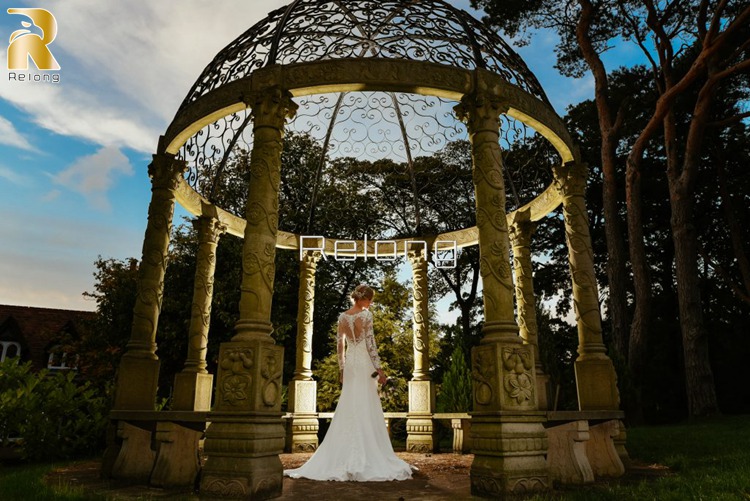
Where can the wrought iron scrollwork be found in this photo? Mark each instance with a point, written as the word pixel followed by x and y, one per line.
pixel 314 30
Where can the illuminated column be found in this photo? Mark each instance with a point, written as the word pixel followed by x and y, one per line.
pixel 508 439
pixel 595 375
pixel 138 372
pixel 303 388
pixel 521 229
pixel 246 434
pixel 192 391
pixel 421 434
pixel 129 455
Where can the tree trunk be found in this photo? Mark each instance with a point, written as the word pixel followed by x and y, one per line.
pixel 699 379
pixel 637 349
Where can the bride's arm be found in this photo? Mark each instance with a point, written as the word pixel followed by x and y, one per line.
pixel 372 348
pixel 340 348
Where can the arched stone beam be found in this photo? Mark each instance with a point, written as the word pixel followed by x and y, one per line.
pixel 347 75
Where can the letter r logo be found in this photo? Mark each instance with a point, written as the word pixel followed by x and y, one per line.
pixel 25 44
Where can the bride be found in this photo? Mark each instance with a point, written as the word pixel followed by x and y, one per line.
pixel 356 446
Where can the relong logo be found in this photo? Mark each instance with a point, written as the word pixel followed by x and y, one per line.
pixel 25 44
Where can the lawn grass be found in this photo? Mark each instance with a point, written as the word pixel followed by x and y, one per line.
pixel 26 482
pixel 709 459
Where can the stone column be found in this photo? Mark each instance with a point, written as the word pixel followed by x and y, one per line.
pixel 508 439
pixel 421 434
pixel 596 379
pixel 192 386
pixel 521 229
pixel 303 388
pixel 246 434
pixel 138 373
pixel 129 455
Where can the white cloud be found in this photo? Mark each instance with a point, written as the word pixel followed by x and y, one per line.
pixel 127 66
pixel 10 136
pixel 13 176
pixel 93 175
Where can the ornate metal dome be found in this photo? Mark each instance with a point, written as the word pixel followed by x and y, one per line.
pixel 314 30
pixel 374 81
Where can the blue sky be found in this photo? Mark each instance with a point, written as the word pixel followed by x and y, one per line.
pixel 74 155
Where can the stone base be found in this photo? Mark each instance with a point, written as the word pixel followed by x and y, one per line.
pixel 302 433
pixel 243 456
pixel 509 455
pixel 601 451
pixel 192 391
pixel 596 382
pixel 566 453
pixel 421 433
pixel 177 462
pixel 137 380
pixel 246 434
pixel 136 458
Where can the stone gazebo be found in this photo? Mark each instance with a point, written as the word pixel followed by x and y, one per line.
pixel 243 101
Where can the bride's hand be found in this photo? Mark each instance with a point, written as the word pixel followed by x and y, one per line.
pixel 341 376
pixel 381 377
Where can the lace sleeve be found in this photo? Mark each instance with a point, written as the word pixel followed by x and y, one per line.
pixel 340 337
pixel 372 348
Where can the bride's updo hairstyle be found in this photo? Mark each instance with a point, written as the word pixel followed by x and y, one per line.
pixel 362 291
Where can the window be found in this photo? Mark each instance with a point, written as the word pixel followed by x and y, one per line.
pixel 9 349
pixel 59 360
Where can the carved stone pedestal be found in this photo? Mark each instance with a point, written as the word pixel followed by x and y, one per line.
pixel 246 434
pixel 566 453
pixel 243 456
pixel 421 433
pixel 508 438
pixel 192 391
pixel 304 420
pixel 509 454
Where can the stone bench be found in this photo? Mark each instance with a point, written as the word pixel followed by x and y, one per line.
pixel 584 445
pixel 158 448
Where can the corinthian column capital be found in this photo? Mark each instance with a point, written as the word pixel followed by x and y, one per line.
pixel 570 179
pixel 209 229
pixel 310 258
pixel 165 171
pixel 521 228
pixel 481 111
pixel 271 107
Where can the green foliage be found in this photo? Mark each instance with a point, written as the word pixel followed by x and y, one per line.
pixel 455 394
pixel 54 415
pixel 393 329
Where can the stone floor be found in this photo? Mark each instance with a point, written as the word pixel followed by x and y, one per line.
pixel 440 477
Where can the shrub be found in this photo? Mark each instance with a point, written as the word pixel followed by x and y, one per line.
pixel 455 392
pixel 52 414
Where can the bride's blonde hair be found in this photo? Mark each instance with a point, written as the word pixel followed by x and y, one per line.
pixel 362 291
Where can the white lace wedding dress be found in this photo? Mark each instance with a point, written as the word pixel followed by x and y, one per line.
pixel 356 446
